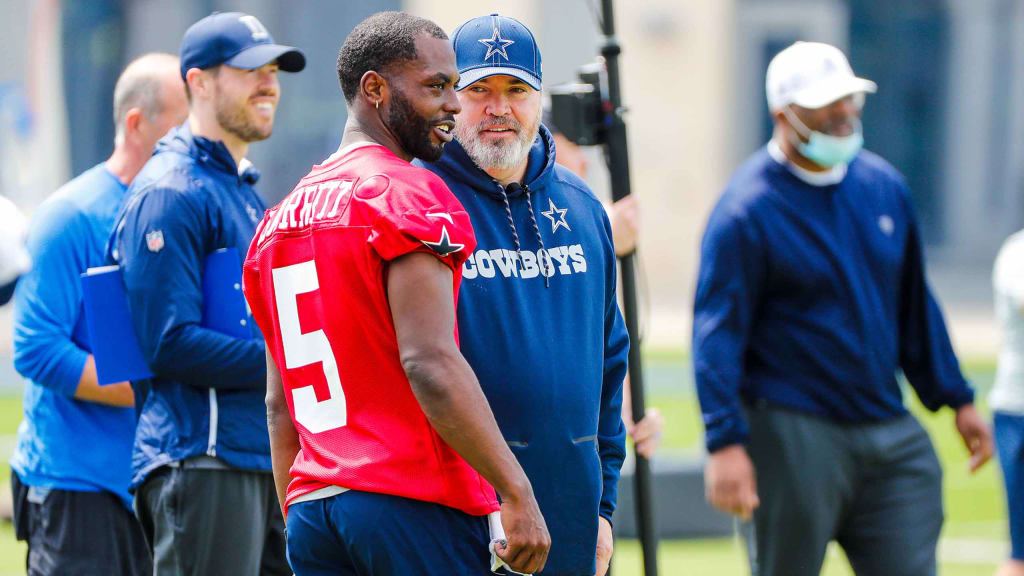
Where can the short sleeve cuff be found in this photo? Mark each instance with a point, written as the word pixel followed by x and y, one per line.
pixel 446 234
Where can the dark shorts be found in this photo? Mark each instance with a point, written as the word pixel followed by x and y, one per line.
pixel 1009 436
pixel 204 522
pixel 876 489
pixel 366 533
pixel 81 533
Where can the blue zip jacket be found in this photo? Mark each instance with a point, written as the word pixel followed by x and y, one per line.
pixel 551 356
pixel 51 345
pixel 813 297
pixel 207 396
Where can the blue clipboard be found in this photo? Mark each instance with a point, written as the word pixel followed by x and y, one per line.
pixel 224 306
pixel 109 322
pixel 108 319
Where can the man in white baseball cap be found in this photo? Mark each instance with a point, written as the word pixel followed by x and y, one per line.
pixel 811 297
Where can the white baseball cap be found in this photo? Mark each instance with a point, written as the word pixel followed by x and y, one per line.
pixel 811 75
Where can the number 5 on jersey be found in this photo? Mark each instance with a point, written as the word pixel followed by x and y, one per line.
pixel 305 349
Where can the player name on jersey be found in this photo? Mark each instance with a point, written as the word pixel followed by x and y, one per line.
pixel 308 205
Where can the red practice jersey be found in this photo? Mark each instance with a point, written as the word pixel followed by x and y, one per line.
pixel 315 278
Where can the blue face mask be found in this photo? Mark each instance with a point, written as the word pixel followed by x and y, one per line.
pixel 825 149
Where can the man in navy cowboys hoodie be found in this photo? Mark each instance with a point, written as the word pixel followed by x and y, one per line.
pixel 538 317
pixel 201 461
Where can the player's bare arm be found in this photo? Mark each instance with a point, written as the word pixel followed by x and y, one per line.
pixel 422 307
pixel 284 440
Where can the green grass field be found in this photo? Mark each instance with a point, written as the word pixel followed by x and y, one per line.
pixel 974 537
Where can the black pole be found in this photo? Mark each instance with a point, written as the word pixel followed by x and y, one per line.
pixel 618 167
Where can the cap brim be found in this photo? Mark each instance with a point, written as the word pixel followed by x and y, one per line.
pixel 476 74
pixel 288 59
pixel 825 93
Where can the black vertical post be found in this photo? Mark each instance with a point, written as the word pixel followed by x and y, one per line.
pixel 618 167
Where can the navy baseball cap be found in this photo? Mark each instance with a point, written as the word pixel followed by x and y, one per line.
pixel 493 45
pixel 238 40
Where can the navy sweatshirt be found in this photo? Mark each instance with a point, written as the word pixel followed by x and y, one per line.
pixel 812 298
pixel 551 356
pixel 207 395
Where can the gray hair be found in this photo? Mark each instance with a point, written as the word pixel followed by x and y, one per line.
pixel 139 86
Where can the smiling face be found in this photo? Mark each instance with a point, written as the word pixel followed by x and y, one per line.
pixel 423 104
pixel 245 100
pixel 499 121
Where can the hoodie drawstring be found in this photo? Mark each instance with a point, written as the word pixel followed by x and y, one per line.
pixel 511 224
pixel 543 258
pixel 536 229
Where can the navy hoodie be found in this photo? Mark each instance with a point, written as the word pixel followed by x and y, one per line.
pixel 207 397
pixel 546 339
pixel 812 298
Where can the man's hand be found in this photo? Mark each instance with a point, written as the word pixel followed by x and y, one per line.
pixel 646 434
pixel 729 482
pixel 605 546
pixel 976 435
pixel 526 534
pixel 625 225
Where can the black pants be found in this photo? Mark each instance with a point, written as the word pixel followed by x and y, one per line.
pixel 78 533
pixel 204 522
pixel 876 489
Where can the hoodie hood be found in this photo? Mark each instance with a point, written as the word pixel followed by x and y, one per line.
pixel 211 153
pixel 540 169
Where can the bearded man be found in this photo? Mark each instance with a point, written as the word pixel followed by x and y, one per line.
pixel 392 468
pixel 537 315
pixel 204 491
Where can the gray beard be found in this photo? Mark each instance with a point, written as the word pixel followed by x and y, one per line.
pixel 497 155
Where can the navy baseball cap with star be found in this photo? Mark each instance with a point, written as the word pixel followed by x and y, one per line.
pixel 493 45
pixel 238 40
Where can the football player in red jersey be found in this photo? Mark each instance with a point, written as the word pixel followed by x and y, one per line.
pixel 384 448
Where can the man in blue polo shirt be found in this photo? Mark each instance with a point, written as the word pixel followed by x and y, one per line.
pixel 811 297
pixel 72 465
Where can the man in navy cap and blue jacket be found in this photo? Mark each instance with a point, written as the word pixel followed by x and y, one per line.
pixel 201 461
pixel 538 318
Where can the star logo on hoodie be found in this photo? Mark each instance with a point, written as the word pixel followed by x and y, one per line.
pixel 444 246
pixel 556 221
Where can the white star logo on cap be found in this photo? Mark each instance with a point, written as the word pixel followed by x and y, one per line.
pixel 496 45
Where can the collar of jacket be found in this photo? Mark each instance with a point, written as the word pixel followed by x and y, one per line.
pixel 211 153
pixel 540 167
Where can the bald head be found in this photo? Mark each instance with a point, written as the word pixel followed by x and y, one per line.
pixel 149 96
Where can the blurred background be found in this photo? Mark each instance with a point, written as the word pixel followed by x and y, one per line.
pixel 949 114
